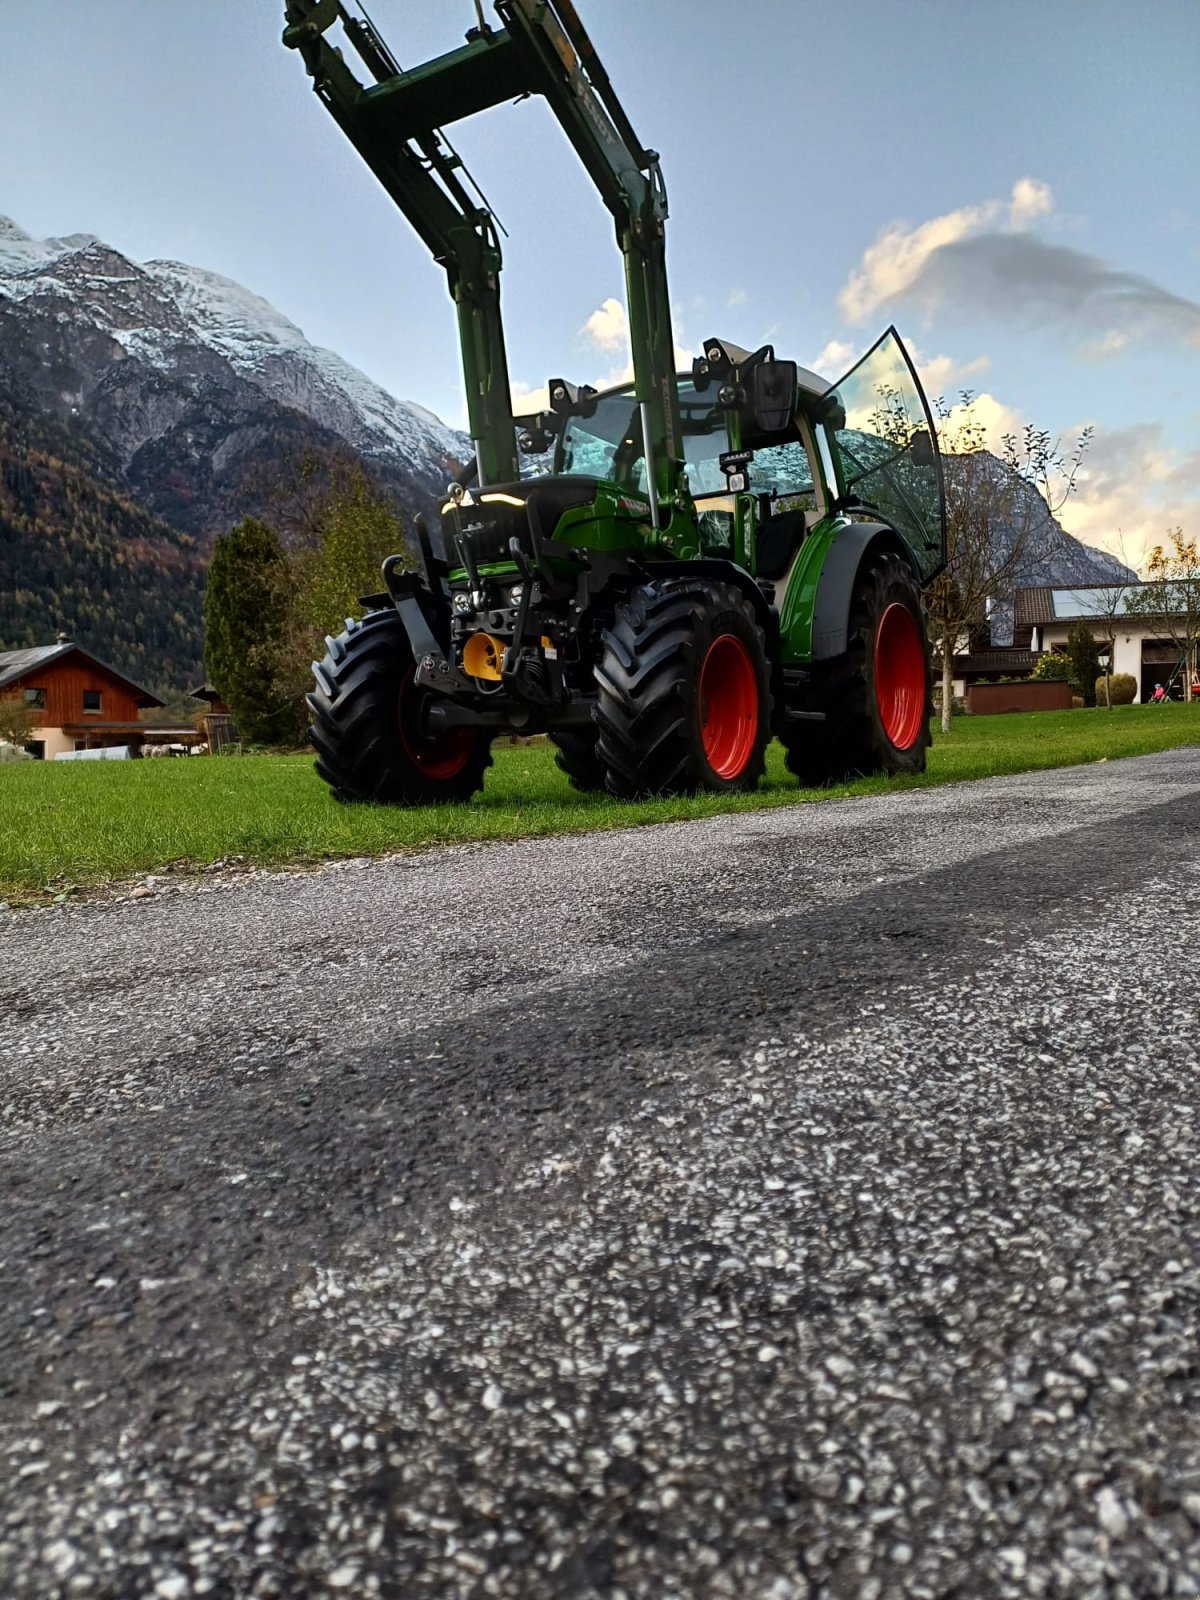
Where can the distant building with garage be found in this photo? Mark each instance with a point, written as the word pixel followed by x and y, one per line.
pixel 1138 644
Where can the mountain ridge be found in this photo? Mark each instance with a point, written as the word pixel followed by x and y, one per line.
pixel 145 408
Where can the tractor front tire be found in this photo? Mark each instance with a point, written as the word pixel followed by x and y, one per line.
pixel 878 696
pixel 576 755
pixel 684 699
pixel 368 728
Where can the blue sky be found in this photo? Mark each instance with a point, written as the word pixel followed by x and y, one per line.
pixel 1016 186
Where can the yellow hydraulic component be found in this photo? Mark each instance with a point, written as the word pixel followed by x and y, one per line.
pixel 482 656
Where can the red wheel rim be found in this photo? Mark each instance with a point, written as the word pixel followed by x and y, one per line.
pixel 900 676
pixel 440 757
pixel 728 706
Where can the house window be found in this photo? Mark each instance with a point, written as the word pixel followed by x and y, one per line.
pixel 35 699
pixel 91 701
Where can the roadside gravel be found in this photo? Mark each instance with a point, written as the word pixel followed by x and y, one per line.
pixel 782 1205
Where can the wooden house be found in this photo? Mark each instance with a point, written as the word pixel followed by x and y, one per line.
pixel 78 701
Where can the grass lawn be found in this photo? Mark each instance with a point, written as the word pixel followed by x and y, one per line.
pixel 69 825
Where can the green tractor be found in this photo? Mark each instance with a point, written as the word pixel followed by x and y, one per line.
pixel 659 577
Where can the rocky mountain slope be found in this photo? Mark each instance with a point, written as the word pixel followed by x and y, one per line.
pixel 189 382
pixel 144 408
pixel 79 555
pixel 1046 554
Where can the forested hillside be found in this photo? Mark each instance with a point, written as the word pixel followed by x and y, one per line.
pixel 80 557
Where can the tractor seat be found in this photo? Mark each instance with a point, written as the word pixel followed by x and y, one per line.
pixel 777 541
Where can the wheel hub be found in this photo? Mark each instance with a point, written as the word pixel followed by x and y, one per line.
pixel 728 706
pixel 900 676
pixel 439 756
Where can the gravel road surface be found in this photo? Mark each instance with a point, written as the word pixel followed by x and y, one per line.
pixel 799 1204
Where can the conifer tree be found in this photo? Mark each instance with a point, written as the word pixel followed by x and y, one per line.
pixel 247 610
pixel 1084 655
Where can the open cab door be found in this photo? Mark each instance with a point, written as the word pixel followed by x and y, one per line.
pixel 885 448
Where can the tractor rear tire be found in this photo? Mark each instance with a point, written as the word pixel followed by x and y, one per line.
pixel 684 698
pixel 367 724
pixel 576 756
pixel 878 696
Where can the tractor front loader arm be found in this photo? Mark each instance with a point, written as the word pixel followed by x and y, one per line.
pixel 395 124
pixel 421 173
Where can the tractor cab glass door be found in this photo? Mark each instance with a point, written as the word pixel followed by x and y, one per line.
pixel 885 449
pixel 705 438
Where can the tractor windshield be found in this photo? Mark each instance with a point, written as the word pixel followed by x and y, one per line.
pixel 886 449
pixel 608 442
pixel 605 444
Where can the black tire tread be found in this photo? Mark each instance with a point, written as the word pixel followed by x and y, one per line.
pixel 642 711
pixel 354 731
pixel 850 743
pixel 576 755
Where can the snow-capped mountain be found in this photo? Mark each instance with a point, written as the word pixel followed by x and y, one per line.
pixel 186 377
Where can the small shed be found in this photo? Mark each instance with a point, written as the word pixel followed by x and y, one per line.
pixel 219 727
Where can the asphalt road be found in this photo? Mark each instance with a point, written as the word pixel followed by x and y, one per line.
pixel 801 1204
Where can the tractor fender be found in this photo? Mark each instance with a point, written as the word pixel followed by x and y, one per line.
pixel 730 572
pixel 722 572
pixel 850 548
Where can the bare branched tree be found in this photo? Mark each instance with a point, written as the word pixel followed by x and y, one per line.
pixel 994 517
pixel 1170 597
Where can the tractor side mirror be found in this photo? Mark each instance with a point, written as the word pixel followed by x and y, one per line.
pixel 775 390
pixel 920 448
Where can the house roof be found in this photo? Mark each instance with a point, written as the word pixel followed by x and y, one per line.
pixel 1032 606
pixel 1002 659
pixel 18 664
pixel 15 664
pixel 1086 602
pixel 996 661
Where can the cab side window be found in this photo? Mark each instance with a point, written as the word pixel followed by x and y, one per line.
pixel 782 470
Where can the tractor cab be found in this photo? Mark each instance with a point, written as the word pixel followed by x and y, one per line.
pixel 600 438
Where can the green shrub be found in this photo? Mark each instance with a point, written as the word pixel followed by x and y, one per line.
pixel 1053 668
pixel 1122 687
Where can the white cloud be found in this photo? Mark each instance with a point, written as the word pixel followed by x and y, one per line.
pixel 941 375
pixel 1030 198
pixel 983 258
pixel 608 326
pixel 1112 343
pixel 835 359
pixel 1131 490
pixel 996 420
pixel 526 400
pixel 737 297
pixel 898 257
